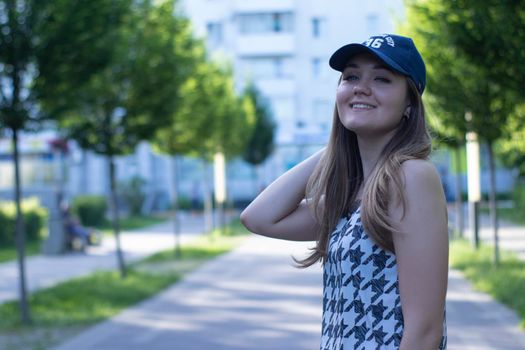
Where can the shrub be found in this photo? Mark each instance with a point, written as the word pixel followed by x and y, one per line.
pixel 34 216
pixel 91 210
pixel 518 195
pixel 132 193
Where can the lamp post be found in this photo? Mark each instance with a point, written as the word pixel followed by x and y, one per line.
pixel 473 178
pixel 220 186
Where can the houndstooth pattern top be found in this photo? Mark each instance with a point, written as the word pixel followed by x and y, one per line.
pixel 361 301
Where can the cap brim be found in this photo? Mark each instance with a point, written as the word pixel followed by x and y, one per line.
pixel 339 58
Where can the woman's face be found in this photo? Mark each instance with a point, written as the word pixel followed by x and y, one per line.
pixel 371 99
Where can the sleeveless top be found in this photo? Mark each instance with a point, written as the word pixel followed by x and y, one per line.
pixel 361 302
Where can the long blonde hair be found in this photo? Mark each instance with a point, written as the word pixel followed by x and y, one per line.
pixel 333 186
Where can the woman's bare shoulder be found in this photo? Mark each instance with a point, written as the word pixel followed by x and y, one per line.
pixel 422 186
pixel 419 173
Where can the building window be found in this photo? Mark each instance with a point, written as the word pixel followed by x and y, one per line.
pixel 260 23
pixel 372 23
pixel 316 67
pixel 322 111
pixel 318 27
pixel 214 33
pixel 268 67
pixel 278 67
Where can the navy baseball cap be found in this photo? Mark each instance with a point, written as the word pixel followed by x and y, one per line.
pixel 398 52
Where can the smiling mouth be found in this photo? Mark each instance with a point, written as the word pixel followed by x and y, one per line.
pixel 361 106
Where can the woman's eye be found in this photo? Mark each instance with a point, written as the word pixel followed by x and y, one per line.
pixel 383 79
pixel 351 77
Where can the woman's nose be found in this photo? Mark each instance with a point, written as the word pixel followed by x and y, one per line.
pixel 361 87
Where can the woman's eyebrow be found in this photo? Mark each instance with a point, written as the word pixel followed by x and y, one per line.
pixel 376 66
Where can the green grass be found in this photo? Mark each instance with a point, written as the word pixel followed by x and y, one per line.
pixel 205 247
pixel 506 283
pixel 9 253
pixel 88 299
pixel 514 215
pixel 32 248
pixel 134 222
pixel 69 307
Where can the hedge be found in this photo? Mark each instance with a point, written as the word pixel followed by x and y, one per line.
pixel 34 216
pixel 91 210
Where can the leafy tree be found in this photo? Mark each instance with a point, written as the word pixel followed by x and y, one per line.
pixel 179 136
pixel 210 118
pixel 445 95
pixel 235 116
pixel 133 96
pixel 29 31
pixel 457 26
pixel 132 192
pixel 511 150
pixel 260 145
pixel 492 32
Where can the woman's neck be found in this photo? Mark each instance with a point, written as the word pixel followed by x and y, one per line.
pixel 370 150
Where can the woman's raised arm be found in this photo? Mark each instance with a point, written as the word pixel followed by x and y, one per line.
pixel 280 211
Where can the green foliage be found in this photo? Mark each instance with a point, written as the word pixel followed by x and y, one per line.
pixel 511 149
pixel 34 216
pixel 216 242
pixel 16 55
pixel 136 90
pixel 8 251
pixel 210 118
pixel 134 222
pixel 506 283
pixel 91 210
pixel 185 203
pixel 76 41
pixel 261 142
pixel 459 41
pixel 132 192
pixel 518 196
pixel 88 299
pixel 64 305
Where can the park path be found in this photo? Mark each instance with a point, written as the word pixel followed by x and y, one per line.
pixel 44 271
pixel 254 299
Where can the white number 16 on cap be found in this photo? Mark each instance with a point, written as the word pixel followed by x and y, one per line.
pixel 375 43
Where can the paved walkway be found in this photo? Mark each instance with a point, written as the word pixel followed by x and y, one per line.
pixel 250 299
pixel 512 237
pixel 45 270
pixel 253 299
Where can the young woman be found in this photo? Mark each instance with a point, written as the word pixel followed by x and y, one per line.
pixel 374 204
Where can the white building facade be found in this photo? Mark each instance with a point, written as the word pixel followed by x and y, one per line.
pixel 282 46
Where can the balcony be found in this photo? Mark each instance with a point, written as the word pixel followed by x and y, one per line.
pixel 271 44
pixel 263 5
pixel 277 87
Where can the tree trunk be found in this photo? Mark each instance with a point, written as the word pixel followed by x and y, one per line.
pixel 115 214
pixel 255 181
pixel 459 199
pixel 20 235
pixel 493 203
pixel 175 194
pixel 208 210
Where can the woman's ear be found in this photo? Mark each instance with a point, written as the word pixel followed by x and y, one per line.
pixel 408 109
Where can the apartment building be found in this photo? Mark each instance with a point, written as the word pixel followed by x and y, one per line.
pixel 283 46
